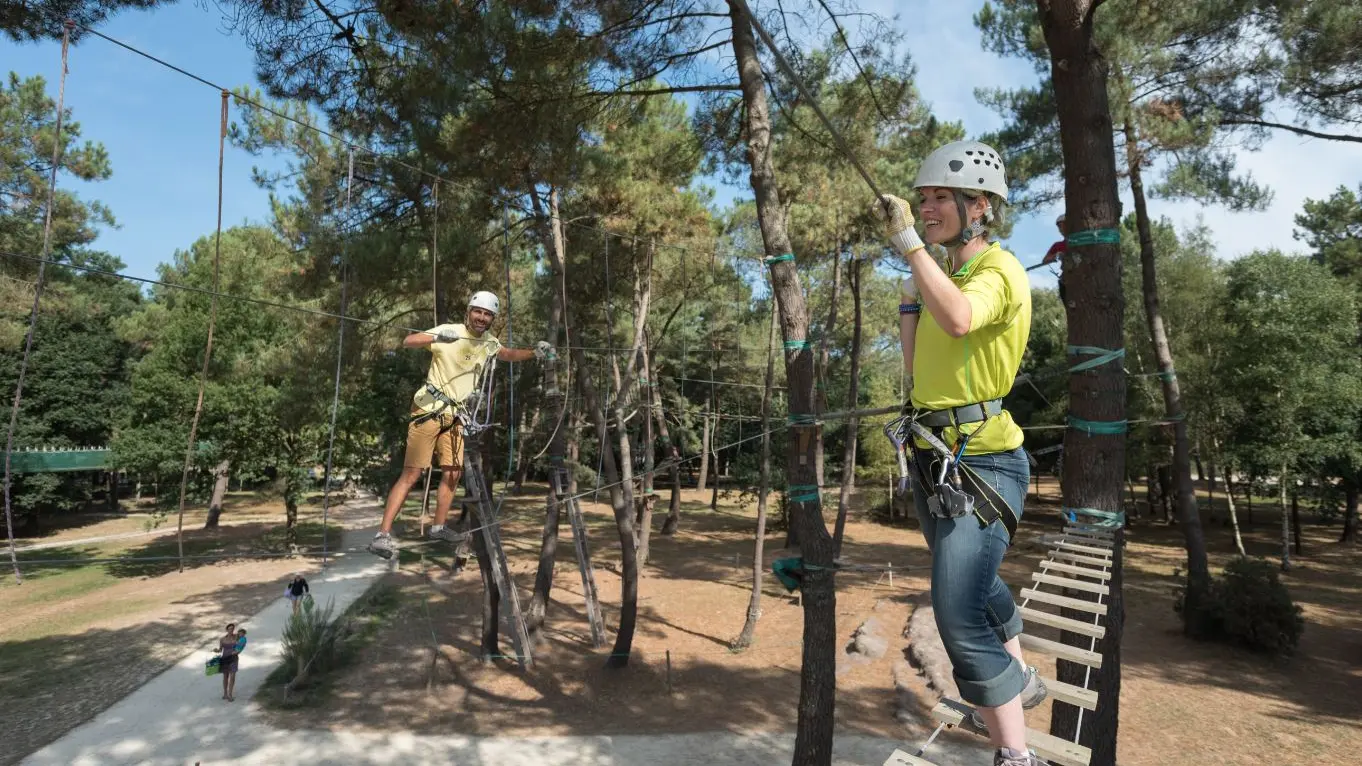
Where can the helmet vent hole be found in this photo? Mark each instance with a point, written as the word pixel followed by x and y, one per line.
pixel 956 165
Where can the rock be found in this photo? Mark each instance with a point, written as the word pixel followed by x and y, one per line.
pixel 868 640
pixel 927 652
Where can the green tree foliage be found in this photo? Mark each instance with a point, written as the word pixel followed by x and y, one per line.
pixel 26 21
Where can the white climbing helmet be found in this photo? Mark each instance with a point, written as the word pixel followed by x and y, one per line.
pixel 1060 219
pixel 485 300
pixel 964 165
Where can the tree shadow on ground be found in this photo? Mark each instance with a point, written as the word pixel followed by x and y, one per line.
pixel 206 547
pixel 53 684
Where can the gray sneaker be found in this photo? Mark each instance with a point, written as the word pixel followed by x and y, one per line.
pixel 448 534
pixel 1007 757
pixel 383 545
pixel 1032 695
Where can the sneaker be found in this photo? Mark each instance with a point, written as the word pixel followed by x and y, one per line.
pixel 383 545
pixel 1008 757
pixel 1032 695
pixel 448 534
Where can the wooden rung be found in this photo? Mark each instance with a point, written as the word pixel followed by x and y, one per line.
pixel 1065 601
pixel 1078 558
pixel 1062 651
pixel 1053 749
pixel 1101 542
pixel 900 758
pixel 1090 532
pixel 1071 569
pixel 1064 582
pixel 1063 623
pixel 1074 695
pixel 1090 550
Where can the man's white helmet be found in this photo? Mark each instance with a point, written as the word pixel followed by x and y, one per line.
pixel 1060 219
pixel 485 300
pixel 964 165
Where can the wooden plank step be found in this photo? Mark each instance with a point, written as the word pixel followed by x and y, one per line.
pixel 1074 695
pixel 1062 651
pixel 1065 601
pixel 1100 534
pixel 1064 582
pixel 1053 749
pixel 900 758
pixel 1063 623
pixel 1089 550
pixel 1071 569
pixel 1078 558
pixel 1104 543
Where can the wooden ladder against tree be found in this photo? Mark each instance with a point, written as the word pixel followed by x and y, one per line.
pixel 559 480
pixel 1078 570
pixel 489 526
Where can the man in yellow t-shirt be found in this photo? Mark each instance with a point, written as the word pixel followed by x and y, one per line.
pixel 460 357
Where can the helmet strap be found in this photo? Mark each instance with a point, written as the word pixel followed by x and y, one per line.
pixel 968 229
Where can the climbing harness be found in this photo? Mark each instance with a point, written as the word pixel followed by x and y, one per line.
pixel 951 485
pixel 474 413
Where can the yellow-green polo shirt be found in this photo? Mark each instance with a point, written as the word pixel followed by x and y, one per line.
pixel 951 372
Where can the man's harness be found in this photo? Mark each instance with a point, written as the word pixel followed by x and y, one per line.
pixel 950 491
pixel 473 413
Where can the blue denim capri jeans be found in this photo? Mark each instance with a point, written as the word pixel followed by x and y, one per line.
pixel 975 613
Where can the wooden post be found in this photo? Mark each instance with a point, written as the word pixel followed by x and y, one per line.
pixel 490 530
pixel 669 671
pixel 559 485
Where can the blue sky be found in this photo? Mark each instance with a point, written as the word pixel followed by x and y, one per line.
pixel 161 131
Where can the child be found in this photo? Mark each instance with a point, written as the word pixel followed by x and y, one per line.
pixel 240 640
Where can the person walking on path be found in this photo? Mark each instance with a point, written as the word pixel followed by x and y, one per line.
pixel 295 591
pixel 227 645
pixel 459 355
pixel 964 330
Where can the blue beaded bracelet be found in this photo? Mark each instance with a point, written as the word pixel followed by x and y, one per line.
pixel 910 308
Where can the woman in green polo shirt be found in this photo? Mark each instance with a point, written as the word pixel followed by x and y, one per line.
pixel 964 333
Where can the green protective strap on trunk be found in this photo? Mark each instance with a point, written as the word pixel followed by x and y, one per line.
pixel 789 572
pixel 1103 355
pixel 782 258
pixel 1099 427
pixel 1094 237
pixel 1103 518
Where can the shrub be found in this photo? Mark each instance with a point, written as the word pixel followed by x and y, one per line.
pixel 310 640
pixel 1249 606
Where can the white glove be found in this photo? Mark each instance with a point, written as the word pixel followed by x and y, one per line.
pixel 898 223
pixel 446 336
pixel 908 291
pixel 542 350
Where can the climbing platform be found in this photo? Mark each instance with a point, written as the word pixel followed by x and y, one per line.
pixel 1079 561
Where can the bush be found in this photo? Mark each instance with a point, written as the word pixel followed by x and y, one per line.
pixel 310 640
pixel 1249 606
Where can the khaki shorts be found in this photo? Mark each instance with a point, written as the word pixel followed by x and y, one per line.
pixel 439 437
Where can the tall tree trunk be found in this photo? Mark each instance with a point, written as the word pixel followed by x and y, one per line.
pixel 714 454
pixel 820 391
pixel 649 447
pixel 1248 499
pixel 673 460
pixel 222 475
pixel 1286 520
pixel 1198 566
pixel 749 627
pixel 1350 487
pixel 1229 496
pixel 522 470
pixel 1093 463
pixel 704 451
pixel 1210 488
pixel 1296 518
pixel 853 394
pixel 817 680
pixel 556 400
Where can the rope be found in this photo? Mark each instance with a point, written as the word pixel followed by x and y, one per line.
pixel 510 366
pixel 208 346
pixel 243 99
pixel 37 298
pixel 434 243
pixel 340 356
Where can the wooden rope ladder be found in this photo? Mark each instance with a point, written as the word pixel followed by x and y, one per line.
pixel 1082 551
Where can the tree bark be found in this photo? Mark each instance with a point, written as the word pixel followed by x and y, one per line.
pixel 714 447
pixel 700 482
pixel 853 399
pixel 1350 487
pixel 1229 496
pixel 222 475
pixel 674 462
pixel 749 627
pixel 817 680
pixel 821 375
pixel 1286 521
pixel 1198 566
pixel 1095 304
pixel 556 400
pixel 1296 519
pixel 645 524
